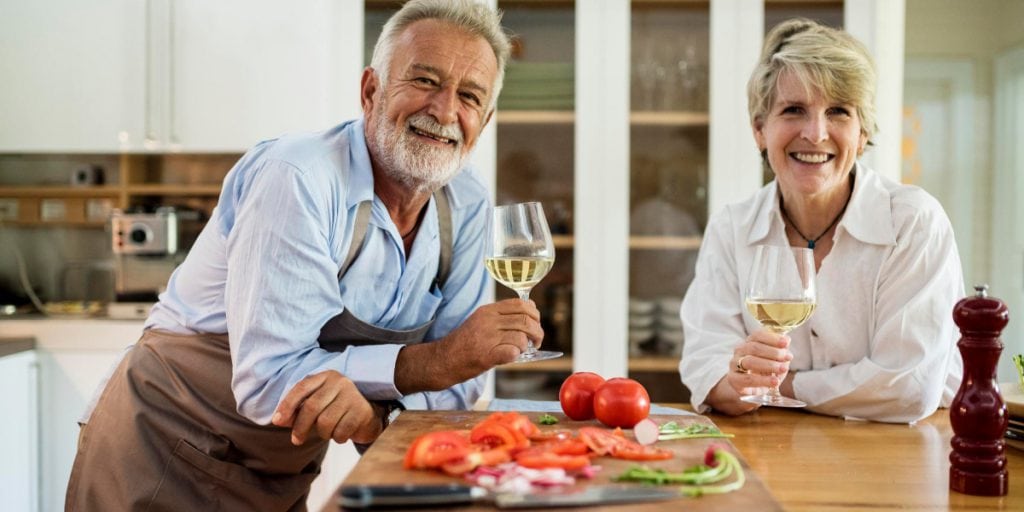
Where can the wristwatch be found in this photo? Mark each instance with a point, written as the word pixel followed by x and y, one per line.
pixel 392 408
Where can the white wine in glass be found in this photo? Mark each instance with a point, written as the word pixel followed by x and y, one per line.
pixel 520 252
pixel 781 296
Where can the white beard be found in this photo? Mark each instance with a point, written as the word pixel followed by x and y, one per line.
pixel 419 166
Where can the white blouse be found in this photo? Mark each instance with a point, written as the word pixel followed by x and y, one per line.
pixel 881 344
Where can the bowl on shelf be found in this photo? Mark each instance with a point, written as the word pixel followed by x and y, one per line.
pixel 520 383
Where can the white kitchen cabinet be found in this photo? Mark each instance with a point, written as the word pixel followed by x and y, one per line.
pixel 174 75
pixel 73 74
pixel 227 74
pixel 19 432
pixel 74 355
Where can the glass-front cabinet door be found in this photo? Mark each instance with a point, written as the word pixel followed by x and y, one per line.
pixel 625 119
pixel 668 199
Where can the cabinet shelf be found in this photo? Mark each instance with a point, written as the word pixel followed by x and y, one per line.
pixel 174 190
pixel 664 242
pixel 654 364
pixel 637 118
pixel 536 117
pixel 59 191
pixel 673 118
pixel 640 242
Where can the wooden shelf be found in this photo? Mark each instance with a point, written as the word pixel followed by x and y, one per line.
pixel 679 118
pixel 639 118
pixel 562 364
pixel 174 190
pixel 59 191
pixel 664 242
pixel 656 364
pixel 659 364
pixel 93 224
pixel 536 117
pixel 640 242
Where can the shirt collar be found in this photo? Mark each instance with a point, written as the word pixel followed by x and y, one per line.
pixel 868 217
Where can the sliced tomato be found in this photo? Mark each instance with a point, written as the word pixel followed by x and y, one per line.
pixel 515 420
pixel 539 458
pixel 472 460
pixel 600 440
pixel 493 434
pixel 545 436
pixel 436 448
pixel 636 451
pixel 566 447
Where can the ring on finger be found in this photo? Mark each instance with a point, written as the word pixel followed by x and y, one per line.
pixel 739 364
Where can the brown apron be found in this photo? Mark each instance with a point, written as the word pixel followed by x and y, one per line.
pixel 166 435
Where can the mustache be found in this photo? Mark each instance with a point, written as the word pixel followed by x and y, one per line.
pixel 427 123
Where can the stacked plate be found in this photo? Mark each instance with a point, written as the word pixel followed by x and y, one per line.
pixel 537 86
pixel 1014 399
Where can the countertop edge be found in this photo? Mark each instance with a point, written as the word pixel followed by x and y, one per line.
pixel 11 346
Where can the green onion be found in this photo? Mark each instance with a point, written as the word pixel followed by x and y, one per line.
pixel 696 480
pixel 672 430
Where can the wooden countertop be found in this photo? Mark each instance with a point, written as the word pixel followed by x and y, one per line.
pixel 818 463
pixel 14 345
pixel 815 463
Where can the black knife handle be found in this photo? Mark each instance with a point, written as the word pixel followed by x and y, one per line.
pixel 409 495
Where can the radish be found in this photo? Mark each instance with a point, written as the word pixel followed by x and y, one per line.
pixel 646 431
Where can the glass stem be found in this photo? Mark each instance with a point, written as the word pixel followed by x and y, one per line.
pixel 525 295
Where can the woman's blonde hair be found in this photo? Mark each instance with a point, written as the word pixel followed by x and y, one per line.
pixel 822 58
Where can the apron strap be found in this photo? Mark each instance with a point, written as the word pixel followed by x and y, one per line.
pixel 358 236
pixel 444 224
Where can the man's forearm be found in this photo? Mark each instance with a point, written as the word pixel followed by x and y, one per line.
pixel 425 367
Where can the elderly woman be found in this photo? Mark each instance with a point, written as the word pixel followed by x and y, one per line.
pixel 881 343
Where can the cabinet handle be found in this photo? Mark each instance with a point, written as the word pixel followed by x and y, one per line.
pixel 33 434
pixel 147 128
pixel 172 56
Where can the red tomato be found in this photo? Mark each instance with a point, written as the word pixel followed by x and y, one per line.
pixel 495 435
pixel 636 451
pixel 434 449
pixel 473 459
pixel 621 402
pixel 577 395
pixel 599 440
pixel 538 458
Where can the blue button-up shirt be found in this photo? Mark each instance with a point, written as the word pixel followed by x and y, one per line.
pixel 264 270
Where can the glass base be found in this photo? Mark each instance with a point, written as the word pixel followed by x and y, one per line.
pixel 773 400
pixel 536 355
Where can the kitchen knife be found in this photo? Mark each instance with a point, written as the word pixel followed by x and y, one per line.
pixel 410 495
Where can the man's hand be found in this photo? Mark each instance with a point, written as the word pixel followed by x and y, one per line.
pixel 329 405
pixel 494 334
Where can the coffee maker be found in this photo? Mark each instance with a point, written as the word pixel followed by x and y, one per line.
pixel 147 247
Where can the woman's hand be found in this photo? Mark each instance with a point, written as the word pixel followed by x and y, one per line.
pixel 328 405
pixel 762 361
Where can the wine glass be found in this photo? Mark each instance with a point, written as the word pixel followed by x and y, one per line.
pixel 519 254
pixel 781 297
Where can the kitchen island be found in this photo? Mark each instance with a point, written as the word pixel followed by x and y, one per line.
pixel 814 463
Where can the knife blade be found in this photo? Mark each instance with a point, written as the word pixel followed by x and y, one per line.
pixel 411 495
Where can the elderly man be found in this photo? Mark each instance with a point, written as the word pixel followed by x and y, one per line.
pixel 339 279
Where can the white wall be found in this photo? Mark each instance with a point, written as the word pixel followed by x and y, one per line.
pixel 975 32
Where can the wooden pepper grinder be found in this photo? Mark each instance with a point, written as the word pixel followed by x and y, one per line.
pixel 978 414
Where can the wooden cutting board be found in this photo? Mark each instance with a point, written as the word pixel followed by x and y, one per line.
pixel 382 463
